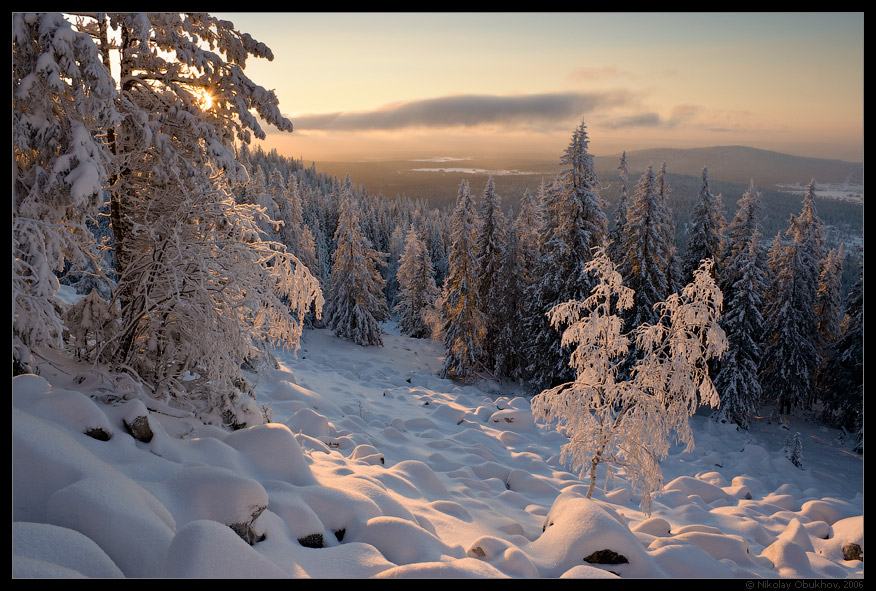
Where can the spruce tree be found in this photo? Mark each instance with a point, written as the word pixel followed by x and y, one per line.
pixel 791 355
pixel 841 382
pixel 463 321
pixel 674 280
pixel 706 231
pixel 745 222
pixel 490 244
pixel 737 379
pixel 355 305
pixel 62 96
pixel 828 303
pixel 416 287
pixel 575 223
pixel 646 263
pixel 200 287
pixel 617 235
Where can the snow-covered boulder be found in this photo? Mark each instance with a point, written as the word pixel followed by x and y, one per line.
pixel 210 492
pixel 577 529
pixel 273 453
pixel 43 550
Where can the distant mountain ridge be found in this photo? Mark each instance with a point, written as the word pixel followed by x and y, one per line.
pixel 739 164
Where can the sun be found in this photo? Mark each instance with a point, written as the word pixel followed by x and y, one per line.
pixel 204 99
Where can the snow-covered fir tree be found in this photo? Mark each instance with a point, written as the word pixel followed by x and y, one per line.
pixel 490 244
pixel 463 321
pixel 673 262
pixel 791 351
pixel 646 262
pixel 62 98
pixel 355 304
pixel 630 422
pixel 794 450
pixel 617 234
pixel 518 273
pixel 841 379
pixel 828 302
pixel 199 287
pixel 737 379
pixel 745 222
pixel 575 223
pixel 416 287
pixel 705 232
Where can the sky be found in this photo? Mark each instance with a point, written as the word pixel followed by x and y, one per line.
pixel 395 85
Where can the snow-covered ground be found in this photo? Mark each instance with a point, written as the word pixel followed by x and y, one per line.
pixel 843 191
pixel 392 472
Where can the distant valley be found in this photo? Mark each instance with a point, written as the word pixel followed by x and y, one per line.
pixel 436 179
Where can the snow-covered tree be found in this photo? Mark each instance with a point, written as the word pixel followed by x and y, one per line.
pixel 630 422
pixel 200 286
pixel 842 376
pixel 737 379
pixel 62 98
pixel 828 303
pixel 518 273
pixel 575 223
pixel 706 231
pixel 529 228
pixel 794 450
pixel 791 352
pixel 742 227
pixel 617 235
pixel 646 262
pixel 490 245
pixel 293 232
pixel 463 321
pixel 416 287
pixel 355 304
pixel 673 263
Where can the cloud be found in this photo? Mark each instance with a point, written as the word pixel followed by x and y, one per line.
pixel 678 116
pixel 467 111
pixel 641 120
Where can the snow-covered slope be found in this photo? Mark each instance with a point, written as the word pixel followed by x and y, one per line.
pixel 375 467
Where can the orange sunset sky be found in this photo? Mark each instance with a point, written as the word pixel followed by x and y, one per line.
pixel 395 85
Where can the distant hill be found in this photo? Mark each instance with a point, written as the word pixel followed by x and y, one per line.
pixel 740 164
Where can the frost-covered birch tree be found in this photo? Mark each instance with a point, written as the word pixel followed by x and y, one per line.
pixel 628 423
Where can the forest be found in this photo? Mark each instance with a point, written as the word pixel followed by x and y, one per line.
pixel 135 182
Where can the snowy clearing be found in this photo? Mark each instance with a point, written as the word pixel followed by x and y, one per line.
pixel 374 467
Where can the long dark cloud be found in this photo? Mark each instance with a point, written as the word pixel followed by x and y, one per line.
pixel 467 111
pixel 680 115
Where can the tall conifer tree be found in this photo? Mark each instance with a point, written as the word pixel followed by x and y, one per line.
pixel 463 321
pixel 706 232
pixel 575 224
pixel 356 304
pixel 416 286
